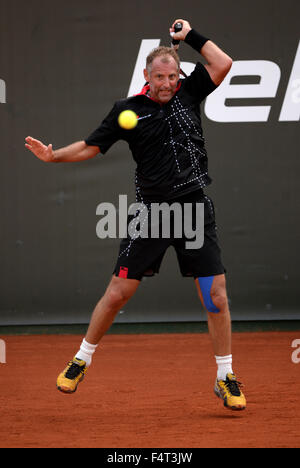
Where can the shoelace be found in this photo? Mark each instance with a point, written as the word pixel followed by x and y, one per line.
pixel 74 370
pixel 233 386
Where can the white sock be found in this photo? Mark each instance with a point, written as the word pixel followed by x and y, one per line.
pixel 224 364
pixel 86 352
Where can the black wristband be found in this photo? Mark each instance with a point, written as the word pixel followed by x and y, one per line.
pixel 195 40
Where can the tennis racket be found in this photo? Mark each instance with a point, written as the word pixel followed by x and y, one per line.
pixel 175 43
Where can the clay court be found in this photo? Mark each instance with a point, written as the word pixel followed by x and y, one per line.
pixel 149 391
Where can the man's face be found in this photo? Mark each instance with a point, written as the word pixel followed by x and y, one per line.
pixel 163 79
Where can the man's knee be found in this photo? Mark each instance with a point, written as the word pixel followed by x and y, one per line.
pixel 120 291
pixel 213 294
pixel 219 299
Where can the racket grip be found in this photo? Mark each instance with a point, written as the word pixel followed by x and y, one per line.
pixel 177 28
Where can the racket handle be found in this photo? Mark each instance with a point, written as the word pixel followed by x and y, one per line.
pixel 177 28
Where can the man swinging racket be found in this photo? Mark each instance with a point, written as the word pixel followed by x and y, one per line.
pixel 168 147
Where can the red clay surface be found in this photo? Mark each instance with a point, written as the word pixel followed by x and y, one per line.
pixel 149 391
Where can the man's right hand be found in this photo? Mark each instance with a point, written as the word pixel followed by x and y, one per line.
pixel 41 151
pixel 186 27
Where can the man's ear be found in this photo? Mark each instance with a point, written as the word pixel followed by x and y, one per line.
pixel 146 75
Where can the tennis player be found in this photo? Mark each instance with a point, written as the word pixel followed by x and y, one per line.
pixel 169 150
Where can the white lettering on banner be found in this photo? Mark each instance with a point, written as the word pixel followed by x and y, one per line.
pixel 138 80
pixel 2 92
pixel 187 67
pixel 291 104
pixel 296 93
pixel 215 106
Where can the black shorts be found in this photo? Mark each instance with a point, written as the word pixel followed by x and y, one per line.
pixel 140 256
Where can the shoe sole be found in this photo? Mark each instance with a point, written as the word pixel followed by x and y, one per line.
pixel 66 389
pixel 233 408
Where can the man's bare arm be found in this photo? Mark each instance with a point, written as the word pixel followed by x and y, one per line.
pixel 218 62
pixel 75 152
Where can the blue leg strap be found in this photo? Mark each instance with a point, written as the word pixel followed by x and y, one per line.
pixel 205 284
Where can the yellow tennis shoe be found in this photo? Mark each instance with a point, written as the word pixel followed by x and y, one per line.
pixel 68 380
pixel 230 392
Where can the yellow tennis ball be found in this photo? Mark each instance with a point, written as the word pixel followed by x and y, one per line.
pixel 128 119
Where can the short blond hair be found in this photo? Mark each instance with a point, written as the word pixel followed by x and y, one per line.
pixel 163 52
